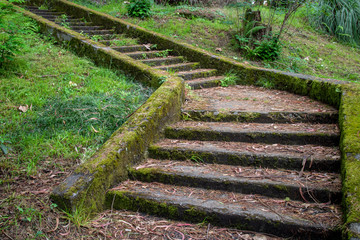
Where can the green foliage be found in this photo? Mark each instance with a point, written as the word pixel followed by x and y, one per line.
pixel 228 80
pixel 4 146
pixel 79 217
pixel 63 21
pixel 340 18
pixel 76 106
pixel 265 84
pixel 139 8
pixel 164 53
pixel 196 159
pixel 10 33
pixel 268 49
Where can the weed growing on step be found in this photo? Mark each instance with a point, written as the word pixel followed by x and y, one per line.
pixel 265 84
pixel 62 20
pixel 228 80
pixel 196 159
pixel 164 53
pixel 122 40
pixel 97 38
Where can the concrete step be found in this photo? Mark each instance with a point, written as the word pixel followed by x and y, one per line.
pixel 197 73
pixel 85 28
pixel 163 61
pixel 145 54
pixel 79 23
pixel 290 134
pixel 285 218
pixel 128 49
pixel 275 183
pixel 208 82
pixel 91 32
pixel 46 12
pixel 275 156
pixel 179 67
pixel 264 105
pixel 58 17
pixel 260 117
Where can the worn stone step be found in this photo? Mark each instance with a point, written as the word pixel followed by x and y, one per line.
pixel 291 134
pixel 58 17
pixel 295 185
pixel 46 12
pixel 295 157
pixel 285 218
pixel 85 28
pixel 197 73
pixel 260 117
pixel 163 61
pixel 92 32
pixel 256 104
pixel 208 82
pixel 179 67
pixel 79 23
pixel 146 54
pixel 128 49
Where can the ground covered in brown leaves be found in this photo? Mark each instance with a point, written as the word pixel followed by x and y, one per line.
pixel 26 212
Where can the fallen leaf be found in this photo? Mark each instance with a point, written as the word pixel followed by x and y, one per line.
pixel 94 129
pixel 147 46
pixel 23 108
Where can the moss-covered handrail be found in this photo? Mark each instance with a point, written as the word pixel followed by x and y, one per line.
pixel 86 187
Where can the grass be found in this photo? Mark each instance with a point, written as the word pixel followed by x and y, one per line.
pixel 305 49
pixel 72 106
pixel 56 110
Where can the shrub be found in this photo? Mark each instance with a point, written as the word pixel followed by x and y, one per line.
pixel 340 18
pixel 268 49
pixel 139 8
pixel 10 40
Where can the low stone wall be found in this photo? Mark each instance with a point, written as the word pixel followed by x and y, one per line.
pixel 86 187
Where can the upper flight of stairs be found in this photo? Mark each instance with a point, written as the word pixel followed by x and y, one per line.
pixel 192 72
pixel 243 157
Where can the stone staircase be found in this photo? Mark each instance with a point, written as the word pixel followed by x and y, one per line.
pixel 243 157
pixel 145 52
pixel 275 177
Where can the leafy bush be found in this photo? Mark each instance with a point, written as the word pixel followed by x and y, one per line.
pixel 10 41
pixel 13 30
pixel 338 17
pixel 139 8
pixel 267 49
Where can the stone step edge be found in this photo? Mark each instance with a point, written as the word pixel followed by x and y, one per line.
pixel 270 137
pixel 195 210
pixel 244 159
pixel 269 188
pixel 260 117
pixel 207 82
